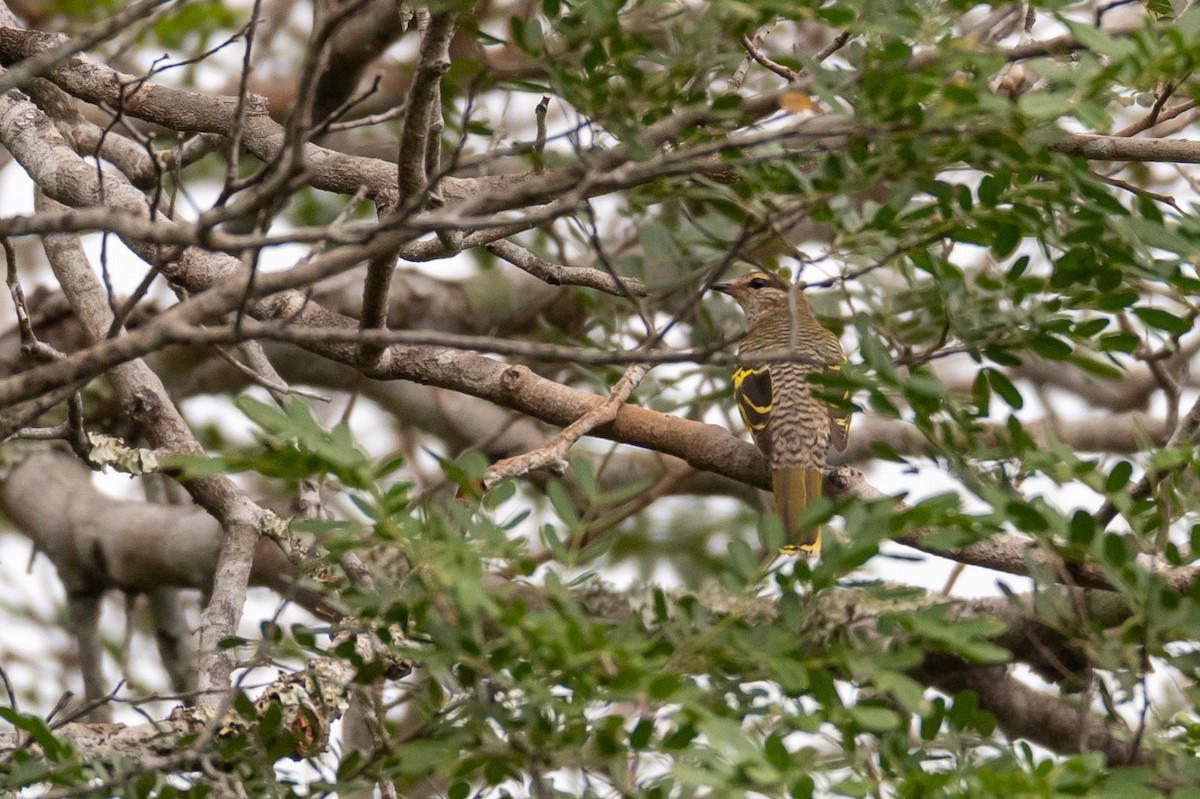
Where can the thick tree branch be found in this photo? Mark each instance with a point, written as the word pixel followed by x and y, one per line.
pixel 98 543
pixel 1025 712
pixel 361 37
pixel 145 400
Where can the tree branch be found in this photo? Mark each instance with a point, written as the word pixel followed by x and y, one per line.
pixel 558 275
pixel 553 454
pixel 145 400
pixel 423 99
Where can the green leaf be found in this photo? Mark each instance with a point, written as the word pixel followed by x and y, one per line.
pixel 1157 234
pixel 563 504
pixel 1045 105
pixel 1119 342
pixel 1116 551
pixel 1050 347
pixel 663 686
pixel 1163 320
pixel 555 544
pixel 585 479
pixel 1095 39
pixel 742 559
pixel 1118 477
pixel 874 719
pixel 1096 367
pixel 639 737
pixel 776 753
pixel 1005 388
pixel 39 731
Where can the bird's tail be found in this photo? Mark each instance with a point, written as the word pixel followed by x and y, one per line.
pixel 794 488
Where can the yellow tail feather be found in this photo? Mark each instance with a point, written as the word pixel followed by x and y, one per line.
pixel 794 488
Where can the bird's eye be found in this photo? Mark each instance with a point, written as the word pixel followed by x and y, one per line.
pixel 758 283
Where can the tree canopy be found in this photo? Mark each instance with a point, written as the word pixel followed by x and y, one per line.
pixel 450 264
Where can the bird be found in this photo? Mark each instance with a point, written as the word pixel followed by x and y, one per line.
pixel 791 426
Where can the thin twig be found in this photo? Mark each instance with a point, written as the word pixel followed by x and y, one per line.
pixel 553 454
pixel 45 61
pixel 1104 9
pixel 1186 431
pixel 58 432
pixel 758 55
pixel 12 697
pixel 1156 117
pixel 29 341
pixel 539 141
pixel 673 474
pixel 1166 199
pixel 559 275
pixel 739 75
pixel 365 122
pixel 832 47
pixel 268 380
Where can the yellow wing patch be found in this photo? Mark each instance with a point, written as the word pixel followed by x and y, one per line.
pixel 754 396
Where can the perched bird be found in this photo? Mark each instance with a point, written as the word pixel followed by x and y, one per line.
pixel 784 344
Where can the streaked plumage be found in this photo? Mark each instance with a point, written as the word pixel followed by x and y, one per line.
pixel 792 426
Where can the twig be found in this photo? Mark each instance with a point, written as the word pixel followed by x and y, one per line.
pixel 1104 9
pixel 673 473
pixel 29 341
pixel 325 125
pixel 419 155
pixel 832 47
pixel 1166 199
pixel 559 275
pixel 1009 553
pixel 60 705
pixel 539 141
pixel 758 55
pixel 1186 431
pixel 368 121
pixel 1155 117
pixel 55 433
pixel 376 289
pixel 243 95
pixel 754 51
pixel 45 61
pixel 77 435
pixel 12 697
pixel 74 432
pixel 268 379
pixel 739 75
pixel 553 454
pixel 955 573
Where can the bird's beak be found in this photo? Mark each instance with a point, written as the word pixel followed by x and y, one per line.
pixel 724 288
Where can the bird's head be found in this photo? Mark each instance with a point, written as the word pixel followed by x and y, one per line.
pixel 758 293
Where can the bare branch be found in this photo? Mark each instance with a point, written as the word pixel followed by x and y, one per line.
pixel 424 95
pixel 558 275
pixel 145 399
pixel 1118 148
pixel 553 454
pixel 753 48
pixel 46 60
